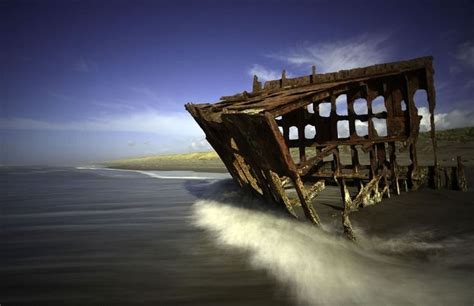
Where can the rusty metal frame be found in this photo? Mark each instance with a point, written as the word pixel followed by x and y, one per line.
pixel 251 133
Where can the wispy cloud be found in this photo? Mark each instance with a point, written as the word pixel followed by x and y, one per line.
pixel 144 100
pixel 336 55
pixel 265 74
pixel 63 97
pixel 84 65
pixel 117 106
pixel 149 121
pixel 146 92
pixel 363 50
pixel 454 70
pixel 465 54
pixel 465 63
pixel 469 84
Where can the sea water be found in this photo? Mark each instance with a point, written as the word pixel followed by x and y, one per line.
pixel 98 236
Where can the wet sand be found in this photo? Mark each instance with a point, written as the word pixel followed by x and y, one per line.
pixel 446 211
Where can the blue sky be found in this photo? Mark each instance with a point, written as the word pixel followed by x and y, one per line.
pixel 85 81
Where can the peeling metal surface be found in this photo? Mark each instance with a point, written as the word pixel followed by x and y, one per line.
pixel 254 133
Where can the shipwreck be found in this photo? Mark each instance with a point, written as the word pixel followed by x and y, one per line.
pixel 298 134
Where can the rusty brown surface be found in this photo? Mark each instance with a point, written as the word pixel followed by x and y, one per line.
pixel 252 133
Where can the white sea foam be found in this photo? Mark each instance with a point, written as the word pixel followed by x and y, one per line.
pixel 168 175
pixel 98 168
pixel 322 269
pixel 183 175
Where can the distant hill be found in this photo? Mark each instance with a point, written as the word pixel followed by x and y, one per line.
pixel 459 134
pixel 198 161
pixel 451 143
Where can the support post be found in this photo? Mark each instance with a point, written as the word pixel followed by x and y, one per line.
pixel 308 209
pixel 347 202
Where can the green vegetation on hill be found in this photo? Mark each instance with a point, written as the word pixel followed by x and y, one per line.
pixel 457 135
pixel 171 157
pixel 199 161
pixel 451 143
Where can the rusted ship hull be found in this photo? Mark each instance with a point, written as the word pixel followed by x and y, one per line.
pixel 254 133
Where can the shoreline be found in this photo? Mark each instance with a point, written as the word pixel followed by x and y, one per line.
pixel 171 168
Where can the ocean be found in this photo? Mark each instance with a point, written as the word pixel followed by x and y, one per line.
pixel 91 236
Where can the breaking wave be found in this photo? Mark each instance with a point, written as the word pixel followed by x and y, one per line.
pixel 320 268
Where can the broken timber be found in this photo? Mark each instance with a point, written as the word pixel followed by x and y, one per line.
pixel 254 132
